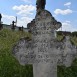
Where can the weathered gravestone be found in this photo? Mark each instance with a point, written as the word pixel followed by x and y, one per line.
pixel 43 50
pixel 40 4
pixel 0 17
pixel 1 26
pixel 13 25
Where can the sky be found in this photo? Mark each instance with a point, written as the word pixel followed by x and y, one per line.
pixel 64 11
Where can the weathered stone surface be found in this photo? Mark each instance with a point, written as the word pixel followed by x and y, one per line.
pixel 44 51
pixel 40 4
pixel 22 51
pixel 69 52
pixel 45 70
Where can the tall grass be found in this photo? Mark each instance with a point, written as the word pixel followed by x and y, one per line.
pixel 10 67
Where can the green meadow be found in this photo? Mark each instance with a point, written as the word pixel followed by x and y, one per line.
pixel 10 67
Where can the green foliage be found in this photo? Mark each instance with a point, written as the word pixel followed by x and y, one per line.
pixel 9 66
pixel 74 33
pixel 59 32
pixel 74 40
pixel 68 72
pixel 59 37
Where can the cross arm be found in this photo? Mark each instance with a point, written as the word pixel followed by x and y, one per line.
pixel 22 51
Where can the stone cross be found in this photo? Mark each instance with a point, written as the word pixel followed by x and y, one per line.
pixel 13 25
pixel 43 50
pixel 0 17
pixel 40 5
pixel 1 26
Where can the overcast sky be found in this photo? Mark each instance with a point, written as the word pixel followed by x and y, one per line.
pixel 63 10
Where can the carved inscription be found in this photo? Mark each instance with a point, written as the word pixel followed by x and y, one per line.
pixel 42 28
pixel 42 41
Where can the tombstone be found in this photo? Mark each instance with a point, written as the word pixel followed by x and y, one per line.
pixel 40 4
pixel 1 26
pixel 20 28
pixel 31 25
pixel 0 17
pixel 43 50
pixel 13 25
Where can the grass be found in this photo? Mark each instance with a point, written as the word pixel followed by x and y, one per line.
pixel 70 71
pixel 10 67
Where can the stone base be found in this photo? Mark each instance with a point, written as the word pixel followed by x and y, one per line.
pixel 44 70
